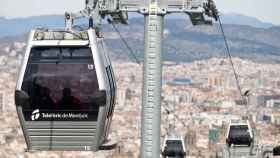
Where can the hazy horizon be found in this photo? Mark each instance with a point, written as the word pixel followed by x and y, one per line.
pixel 265 11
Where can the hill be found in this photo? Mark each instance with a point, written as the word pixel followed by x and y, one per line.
pixel 182 41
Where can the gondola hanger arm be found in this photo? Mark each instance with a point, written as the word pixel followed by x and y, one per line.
pixel 200 11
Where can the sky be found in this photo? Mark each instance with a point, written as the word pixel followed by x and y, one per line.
pixel 265 10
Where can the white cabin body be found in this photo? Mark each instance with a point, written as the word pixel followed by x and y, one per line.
pixel 65 93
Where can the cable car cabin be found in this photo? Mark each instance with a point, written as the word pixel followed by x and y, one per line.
pixel 65 93
pixel 239 133
pixel 173 147
pixel 276 151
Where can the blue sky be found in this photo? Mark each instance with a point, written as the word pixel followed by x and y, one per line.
pixel 265 10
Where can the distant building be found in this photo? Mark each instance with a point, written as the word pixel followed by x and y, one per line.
pixel 215 80
pixel 273 103
pixel 228 104
pixel 180 82
pixel 260 100
pixel 277 84
pixel 267 118
pixel 190 139
pixel 121 97
pixel 2 102
pixel 241 101
pixel 213 135
pixel 180 95
pixel 275 119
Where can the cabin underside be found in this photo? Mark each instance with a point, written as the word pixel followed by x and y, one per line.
pixel 60 135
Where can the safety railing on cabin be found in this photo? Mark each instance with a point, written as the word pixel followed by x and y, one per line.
pixel 60 35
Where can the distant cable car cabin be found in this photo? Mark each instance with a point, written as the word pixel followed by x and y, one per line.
pixel 65 93
pixel 239 133
pixel 173 147
pixel 276 151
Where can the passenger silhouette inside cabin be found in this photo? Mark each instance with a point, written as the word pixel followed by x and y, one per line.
pixel 68 101
pixel 35 90
pixel 46 102
pixel 40 96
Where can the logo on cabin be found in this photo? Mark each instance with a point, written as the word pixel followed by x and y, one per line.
pixel 35 115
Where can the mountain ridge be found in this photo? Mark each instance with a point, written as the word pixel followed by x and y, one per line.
pixel 17 26
pixel 183 42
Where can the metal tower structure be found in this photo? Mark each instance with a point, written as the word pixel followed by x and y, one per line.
pixel 199 11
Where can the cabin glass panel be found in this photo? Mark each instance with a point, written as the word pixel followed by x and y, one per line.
pixel 239 129
pixel 61 82
pixel 174 148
